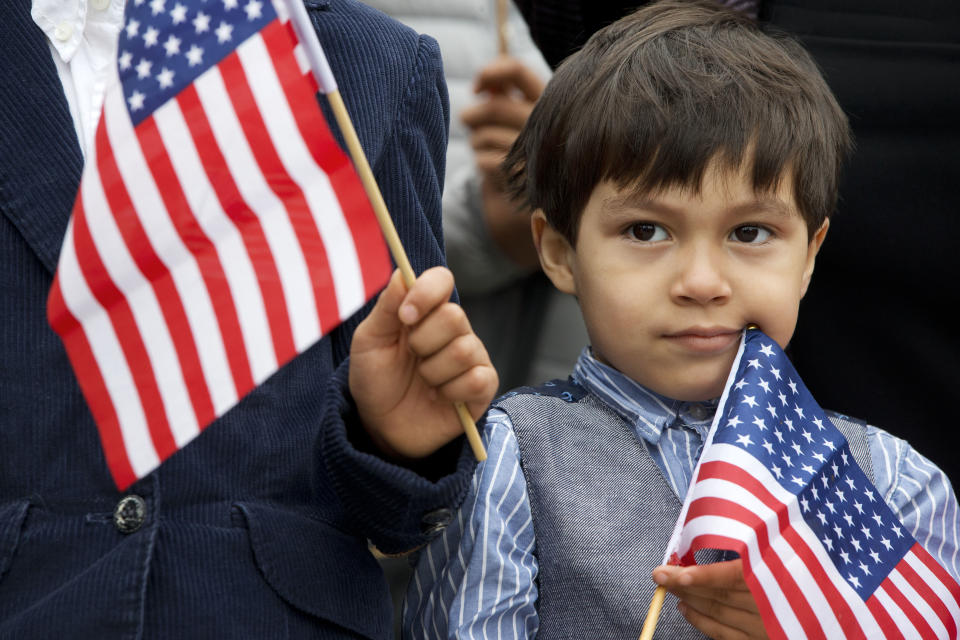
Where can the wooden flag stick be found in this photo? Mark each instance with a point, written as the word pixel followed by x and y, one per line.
pixel 653 614
pixel 393 239
pixel 502 26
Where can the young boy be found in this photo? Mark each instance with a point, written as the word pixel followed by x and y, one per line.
pixel 682 167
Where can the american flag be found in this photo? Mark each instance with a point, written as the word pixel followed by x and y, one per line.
pixel 218 231
pixel 823 555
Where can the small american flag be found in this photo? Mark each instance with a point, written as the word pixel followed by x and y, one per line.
pixel 218 231
pixel 823 555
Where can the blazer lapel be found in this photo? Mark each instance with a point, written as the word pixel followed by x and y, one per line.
pixel 40 158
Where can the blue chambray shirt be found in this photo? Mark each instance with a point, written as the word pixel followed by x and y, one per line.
pixel 478 579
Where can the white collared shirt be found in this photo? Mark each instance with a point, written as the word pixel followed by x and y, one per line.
pixel 83 38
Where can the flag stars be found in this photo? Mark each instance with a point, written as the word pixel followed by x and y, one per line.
pixel 772 410
pixel 760 423
pixel 165 78
pixel 769 447
pixel 850 483
pixel 845 556
pixel 836 469
pixel 143 68
pixel 156 6
pixel 866 532
pixel 808 469
pixel 253 9
pixel 783 398
pixel 793 387
pixel 869 494
pixel 172 45
pixel 224 32
pixel 779 435
pixel 125 61
pixel 829 445
pixel 841 496
pixel 132 28
pixel 838 531
pixel 136 101
pixel 740 384
pixel 799 410
pixel 818 457
pixel 852 579
pixel 843 456
pixel 830 507
pixel 787 460
pixel 897 531
pixel 805 504
pixel 754 363
pixel 858 506
pixel 828 543
pixel 750 401
pixel 796 448
pixel 876 556
pixel 789 423
pixel 229 4
pixel 886 544
pixel 766 350
pixel 775 372
pixel 797 481
pixel 151 37
pixel 848 519
pixel 178 14
pixel 876 518
pixel 744 440
pixel 734 422
pixel 819 423
pixel 856 544
pixel 865 569
pixel 775 470
pixel 201 24
pixel 806 436
pixel 763 384
pixel 822 517
pixel 194 55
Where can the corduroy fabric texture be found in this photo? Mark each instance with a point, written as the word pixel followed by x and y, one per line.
pixel 259 527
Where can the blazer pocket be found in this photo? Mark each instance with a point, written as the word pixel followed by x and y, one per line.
pixel 12 516
pixel 320 570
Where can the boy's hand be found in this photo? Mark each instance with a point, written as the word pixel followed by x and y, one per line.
pixel 411 358
pixel 714 598
pixel 511 89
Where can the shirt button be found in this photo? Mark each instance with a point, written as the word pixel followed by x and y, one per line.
pixel 130 513
pixel 100 5
pixel 433 522
pixel 63 31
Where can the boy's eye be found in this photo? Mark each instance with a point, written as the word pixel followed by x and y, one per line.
pixel 750 234
pixel 647 232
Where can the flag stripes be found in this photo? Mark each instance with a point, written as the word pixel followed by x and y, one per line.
pixel 210 243
pixel 734 497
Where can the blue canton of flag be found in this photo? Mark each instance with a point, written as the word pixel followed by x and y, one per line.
pixel 823 554
pixel 164 48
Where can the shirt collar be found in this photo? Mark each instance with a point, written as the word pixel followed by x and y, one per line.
pixel 67 22
pixel 650 413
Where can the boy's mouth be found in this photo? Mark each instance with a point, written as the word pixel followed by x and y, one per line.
pixel 705 340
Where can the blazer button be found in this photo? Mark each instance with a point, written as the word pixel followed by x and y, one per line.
pixel 433 522
pixel 130 513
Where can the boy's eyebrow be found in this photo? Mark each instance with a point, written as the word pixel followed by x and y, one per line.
pixel 766 204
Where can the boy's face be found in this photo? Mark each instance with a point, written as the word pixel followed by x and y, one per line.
pixel 667 282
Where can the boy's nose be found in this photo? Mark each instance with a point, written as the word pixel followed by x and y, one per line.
pixel 700 278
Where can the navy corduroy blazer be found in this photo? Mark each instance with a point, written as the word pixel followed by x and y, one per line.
pixel 259 527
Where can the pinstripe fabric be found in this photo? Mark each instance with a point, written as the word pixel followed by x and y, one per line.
pixel 479 579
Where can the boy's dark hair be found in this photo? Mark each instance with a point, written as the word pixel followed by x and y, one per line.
pixel 653 98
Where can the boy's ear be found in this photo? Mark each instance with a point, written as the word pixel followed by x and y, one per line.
pixel 554 251
pixel 812 249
